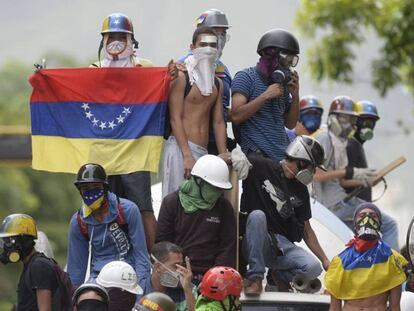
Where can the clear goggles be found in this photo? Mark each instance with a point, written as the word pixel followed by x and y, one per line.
pixel 288 60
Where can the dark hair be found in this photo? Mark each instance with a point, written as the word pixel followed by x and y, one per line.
pixel 202 30
pixel 162 250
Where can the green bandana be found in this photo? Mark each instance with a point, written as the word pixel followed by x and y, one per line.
pixel 194 197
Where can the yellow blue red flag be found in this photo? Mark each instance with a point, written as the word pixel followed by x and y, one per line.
pixel 353 275
pixel 111 116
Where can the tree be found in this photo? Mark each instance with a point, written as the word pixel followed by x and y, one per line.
pixel 343 24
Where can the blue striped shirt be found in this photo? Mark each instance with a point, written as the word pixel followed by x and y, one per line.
pixel 265 130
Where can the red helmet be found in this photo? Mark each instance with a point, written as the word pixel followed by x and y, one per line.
pixel 343 105
pixel 220 282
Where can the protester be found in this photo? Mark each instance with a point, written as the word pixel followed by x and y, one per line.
pixel 190 115
pixel 368 274
pixel 120 280
pixel 263 104
pixel 310 117
pixel 367 118
pixel 409 285
pixel 119 45
pixel 38 281
pixel 90 297
pixel 329 187
pixel 199 220
pixel 219 290
pixel 217 20
pixel 276 200
pixel 172 276
pixel 155 302
pixel 105 229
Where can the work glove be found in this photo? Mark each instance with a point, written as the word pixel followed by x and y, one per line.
pixel 240 163
pixel 363 173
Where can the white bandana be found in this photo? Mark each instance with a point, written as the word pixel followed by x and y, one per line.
pixel 340 155
pixel 201 69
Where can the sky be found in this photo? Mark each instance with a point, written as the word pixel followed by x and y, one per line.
pixel 164 29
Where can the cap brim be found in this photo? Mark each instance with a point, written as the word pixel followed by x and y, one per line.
pixel 137 290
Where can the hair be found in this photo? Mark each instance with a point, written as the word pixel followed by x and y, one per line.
pixel 202 30
pixel 162 250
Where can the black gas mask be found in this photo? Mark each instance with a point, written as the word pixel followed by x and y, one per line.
pixel 283 75
pixel 365 129
pixel 16 248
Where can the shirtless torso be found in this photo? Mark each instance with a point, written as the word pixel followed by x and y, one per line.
pixel 190 117
pixel 374 303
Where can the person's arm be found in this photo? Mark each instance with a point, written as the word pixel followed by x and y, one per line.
pixel 166 219
pixel 77 253
pixel 395 298
pixel 139 246
pixel 176 110
pixel 292 116
pixel 241 110
pixel 312 242
pixel 226 252
pixel 44 299
pixel 186 275
pixel 218 122
pixel 322 176
pixel 336 304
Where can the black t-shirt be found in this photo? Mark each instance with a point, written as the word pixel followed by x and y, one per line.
pixel 38 273
pixel 284 201
pixel 356 158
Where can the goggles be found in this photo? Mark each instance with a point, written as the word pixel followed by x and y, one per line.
pixel 288 60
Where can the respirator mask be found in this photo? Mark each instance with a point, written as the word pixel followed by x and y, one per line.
pixel 365 128
pixel 342 125
pixel 168 278
pixel 15 248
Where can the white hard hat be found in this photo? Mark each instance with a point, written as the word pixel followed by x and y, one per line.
pixel 213 170
pixel 121 275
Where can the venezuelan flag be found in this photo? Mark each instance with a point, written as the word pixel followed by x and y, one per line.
pixel 111 116
pixel 353 275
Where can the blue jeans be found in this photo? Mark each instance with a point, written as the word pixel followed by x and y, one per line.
pixel 259 254
pixel 345 211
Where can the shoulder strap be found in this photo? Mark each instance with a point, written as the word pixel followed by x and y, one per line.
pixel 188 85
pixel 83 227
pixel 120 219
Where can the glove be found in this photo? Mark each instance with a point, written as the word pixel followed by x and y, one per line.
pixel 363 173
pixel 240 163
pixel 367 182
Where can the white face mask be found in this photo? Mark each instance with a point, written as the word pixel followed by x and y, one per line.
pixel 118 53
pixel 201 67
pixel 168 278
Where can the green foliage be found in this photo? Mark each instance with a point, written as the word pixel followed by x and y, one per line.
pixel 343 24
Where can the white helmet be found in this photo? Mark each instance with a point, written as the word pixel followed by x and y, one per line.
pixel 121 275
pixel 213 170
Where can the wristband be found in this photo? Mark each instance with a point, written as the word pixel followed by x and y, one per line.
pixel 349 172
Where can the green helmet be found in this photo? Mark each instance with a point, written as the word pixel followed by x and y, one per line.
pixel 156 301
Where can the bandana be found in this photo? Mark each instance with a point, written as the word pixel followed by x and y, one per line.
pixel 92 200
pixel 194 196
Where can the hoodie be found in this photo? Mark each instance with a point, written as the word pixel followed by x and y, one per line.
pixel 104 248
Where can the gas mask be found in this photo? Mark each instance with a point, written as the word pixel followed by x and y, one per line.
pixel 168 278
pixel 16 248
pixel 304 174
pixel 367 228
pixel 115 47
pixel 281 76
pixel 342 125
pixel 365 129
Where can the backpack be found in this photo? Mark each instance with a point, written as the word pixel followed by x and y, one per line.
pixel 188 86
pixel 64 291
pixel 120 220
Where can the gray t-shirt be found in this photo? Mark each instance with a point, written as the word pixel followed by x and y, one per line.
pixel 329 193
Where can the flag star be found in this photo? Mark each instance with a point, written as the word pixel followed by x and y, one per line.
pixel 85 106
pixel 102 125
pixel 111 125
pixel 95 122
pixel 120 119
pixel 126 110
pixel 89 114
